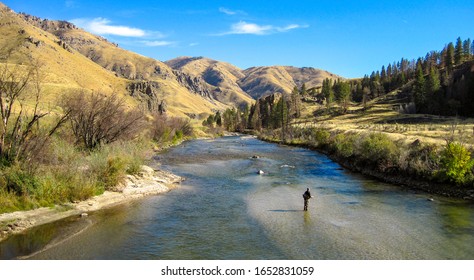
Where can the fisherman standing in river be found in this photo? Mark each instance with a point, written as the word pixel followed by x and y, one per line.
pixel 307 196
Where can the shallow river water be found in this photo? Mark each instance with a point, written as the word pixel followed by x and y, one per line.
pixel 225 210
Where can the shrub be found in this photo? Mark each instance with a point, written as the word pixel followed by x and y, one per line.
pixel 16 180
pixel 344 144
pixel 422 160
pixel 378 146
pixel 110 163
pixel 456 163
pixel 166 129
pixel 320 136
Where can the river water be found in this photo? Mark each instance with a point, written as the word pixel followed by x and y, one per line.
pixel 225 210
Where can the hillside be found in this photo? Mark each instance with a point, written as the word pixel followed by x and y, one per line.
pixel 221 77
pixel 256 81
pixel 63 69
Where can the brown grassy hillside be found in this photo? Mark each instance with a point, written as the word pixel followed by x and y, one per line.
pixel 255 81
pixel 221 77
pixel 63 69
pixel 261 81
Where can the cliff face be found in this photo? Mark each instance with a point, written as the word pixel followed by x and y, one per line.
pixel 194 83
pixel 147 93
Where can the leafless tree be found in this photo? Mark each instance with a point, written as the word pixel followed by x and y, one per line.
pixel 20 112
pixel 100 119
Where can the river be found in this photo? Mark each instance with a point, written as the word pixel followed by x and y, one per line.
pixel 225 210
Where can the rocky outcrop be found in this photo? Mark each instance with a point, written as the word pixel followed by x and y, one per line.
pixel 194 84
pixel 147 93
pixel 48 25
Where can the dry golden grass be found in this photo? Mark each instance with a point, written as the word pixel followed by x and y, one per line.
pixel 271 79
pixel 216 74
pixel 383 116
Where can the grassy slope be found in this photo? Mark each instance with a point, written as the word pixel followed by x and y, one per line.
pixel 260 81
pixel 382 115
pixel 62 70
pixel 221 76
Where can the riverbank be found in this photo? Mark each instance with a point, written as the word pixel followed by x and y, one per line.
pixel 355 163
pixel 147 182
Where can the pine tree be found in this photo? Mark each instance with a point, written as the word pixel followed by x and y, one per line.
pixel 419 88
pixel 433 83
pixel 449 60
pixel 383 74
pixel 433 86
pixel 467 48
pixel 343 94
pixel 255 120
pixel 303 90
pixel 218 118
pixel 296 102
pixel 458 52
pixel 327 92
pixel 280 116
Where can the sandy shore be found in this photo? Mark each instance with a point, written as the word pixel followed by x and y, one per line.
pixel 147 182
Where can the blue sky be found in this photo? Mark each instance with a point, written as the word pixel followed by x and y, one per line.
pixel 349 38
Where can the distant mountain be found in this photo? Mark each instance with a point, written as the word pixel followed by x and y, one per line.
pixel 256 81
pixel 222 77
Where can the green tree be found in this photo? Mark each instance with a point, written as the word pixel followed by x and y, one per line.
pixel 432 90
pixel 456 163
pixel 229 121
pixel 449 59
pixel 467 49
pixel 210 121
pixel 343 94
pixel 419 90
pixel 303 90
pixel 458 52
pixel 295 105
pixel 218 118
pixel 433 83
pixel 255 121
pixel 327 92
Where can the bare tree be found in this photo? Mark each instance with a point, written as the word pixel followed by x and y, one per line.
pixel 100 119
pixel 20 113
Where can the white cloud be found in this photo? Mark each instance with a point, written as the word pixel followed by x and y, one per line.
pixel 243 27
pixel 157 43
pixel 230 12
pixel 102 26
pixel 290 27
pixel 227 11
pixel 249 28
